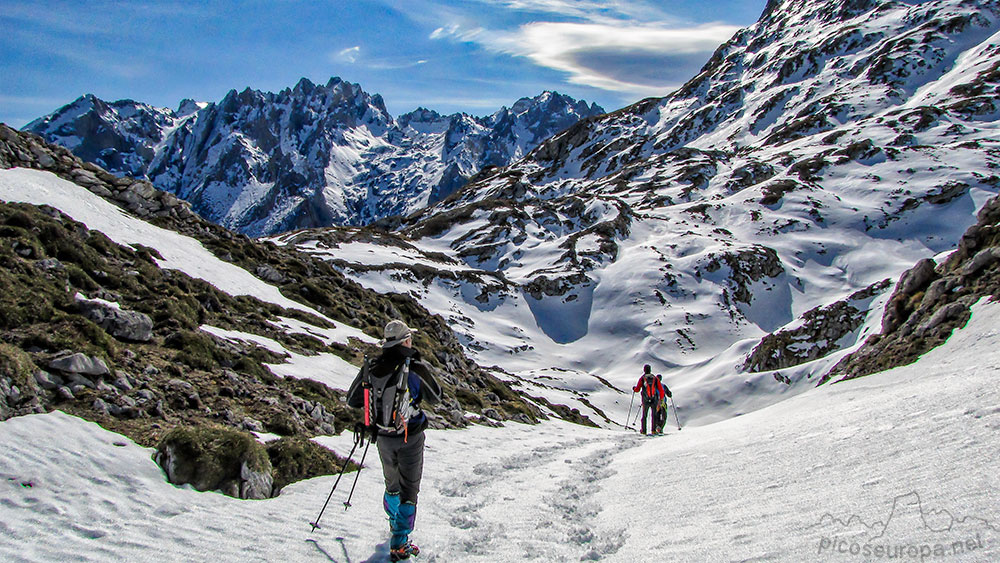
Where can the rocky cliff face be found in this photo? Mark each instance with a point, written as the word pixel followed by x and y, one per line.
pixel 823 330
pixel 308 156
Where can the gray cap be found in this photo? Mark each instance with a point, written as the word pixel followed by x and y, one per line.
pixel 395 333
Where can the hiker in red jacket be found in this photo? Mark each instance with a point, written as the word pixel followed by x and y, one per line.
pixel 652 396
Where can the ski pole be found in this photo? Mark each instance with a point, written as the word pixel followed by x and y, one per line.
pixel 638 412
pixel 629 415
pixel 677 418
pixel 347 503
pixel 341 474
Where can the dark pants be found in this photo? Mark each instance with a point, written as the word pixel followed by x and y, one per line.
pixel 651 409
pixel 402 465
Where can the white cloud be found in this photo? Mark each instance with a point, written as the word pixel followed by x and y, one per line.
pixel 349 54
pixel 638 58
pixel 352 55
pixel 593 11
pixel 394 65
pixel 443 32
pixel 455 31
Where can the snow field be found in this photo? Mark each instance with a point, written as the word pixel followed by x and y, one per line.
pixel 776 483
pixel 901 458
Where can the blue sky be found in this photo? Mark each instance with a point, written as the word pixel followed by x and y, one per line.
pixel 446 55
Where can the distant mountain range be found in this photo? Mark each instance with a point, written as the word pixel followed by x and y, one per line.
pixel 309 156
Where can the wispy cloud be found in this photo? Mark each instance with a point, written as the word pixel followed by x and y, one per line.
pixel 629 47
pixel 354 55
pixel 349 55
pixel 623 58
pixel 594 11
pixel 45 17
pixel 387 65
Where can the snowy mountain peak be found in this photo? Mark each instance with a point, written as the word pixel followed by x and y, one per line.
pixel 784 10
pixel 188 107
pixel 420 117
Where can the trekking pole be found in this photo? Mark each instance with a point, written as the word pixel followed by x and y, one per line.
pixel 629 415
pixel 347 503
pixel 335 483
pixel 635 422
pixel 677 418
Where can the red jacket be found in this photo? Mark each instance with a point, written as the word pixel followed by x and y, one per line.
pixel 653 390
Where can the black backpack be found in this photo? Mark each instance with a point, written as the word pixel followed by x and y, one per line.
pixel 387 399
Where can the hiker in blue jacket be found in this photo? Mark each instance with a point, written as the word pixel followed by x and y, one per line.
pixel 662 412
pixel 400 442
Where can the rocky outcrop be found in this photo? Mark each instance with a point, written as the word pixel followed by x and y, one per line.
pixel 79 364
pixel 216 459
pixel 931 300
pixel 746 267
pixel 26 150
pixel 122 324
pixel 820 333
pixel 18 388
pixel 543 286
pixel 233 462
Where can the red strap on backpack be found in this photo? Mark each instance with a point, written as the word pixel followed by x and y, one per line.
pixel 368 407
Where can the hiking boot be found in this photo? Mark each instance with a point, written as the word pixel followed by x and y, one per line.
pixel 403 552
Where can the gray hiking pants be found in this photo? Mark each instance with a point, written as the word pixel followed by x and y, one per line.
pixel 402 465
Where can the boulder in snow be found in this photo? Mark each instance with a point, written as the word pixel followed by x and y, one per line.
pixel 215 458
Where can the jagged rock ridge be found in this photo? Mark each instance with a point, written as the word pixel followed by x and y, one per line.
pixel 308 156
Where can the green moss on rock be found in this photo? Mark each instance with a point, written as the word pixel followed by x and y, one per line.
pixel 216 458
pixel 17 366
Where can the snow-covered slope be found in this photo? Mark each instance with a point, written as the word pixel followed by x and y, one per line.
pixel 821 151
pixel 898 459
pixel 177 251
pixel 308 156
pixel 198 325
